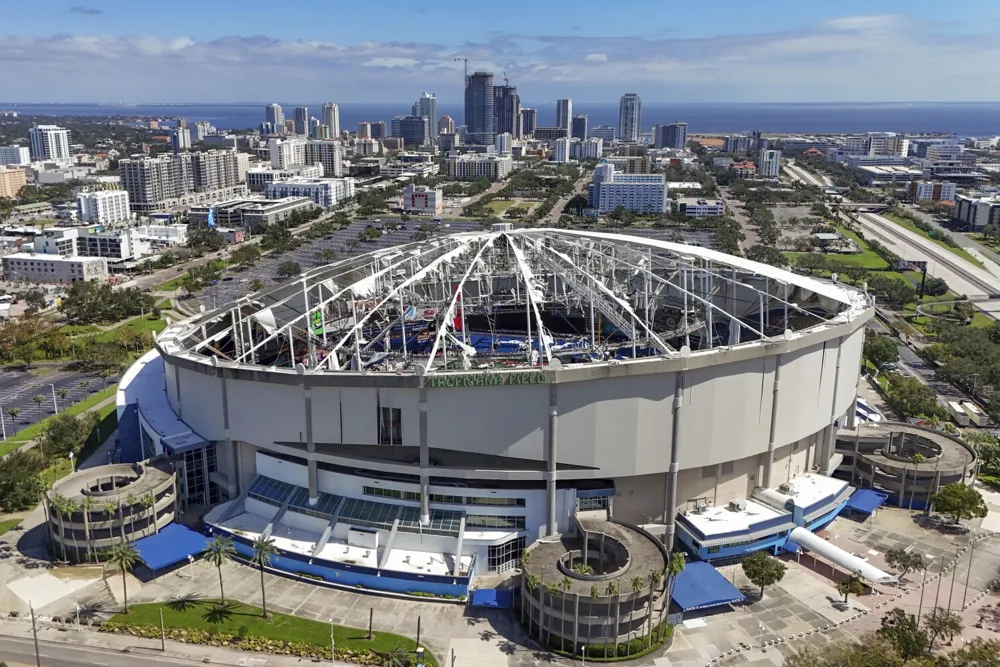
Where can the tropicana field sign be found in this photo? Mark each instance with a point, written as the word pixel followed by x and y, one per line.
pixel 513 378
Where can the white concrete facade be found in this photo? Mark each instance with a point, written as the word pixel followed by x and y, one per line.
pixel 105 207
pixel 53 269
pixel 49 143
pixel 17 156
pixel 642 193
pixel 423 200
pixel 326 192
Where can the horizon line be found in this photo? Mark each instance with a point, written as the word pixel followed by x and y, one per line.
pixel 611 102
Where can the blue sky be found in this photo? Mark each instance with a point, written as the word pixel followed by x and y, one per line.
pixel 722 51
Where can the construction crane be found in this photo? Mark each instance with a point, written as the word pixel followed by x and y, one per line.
pixel 507 81
pixel 466 61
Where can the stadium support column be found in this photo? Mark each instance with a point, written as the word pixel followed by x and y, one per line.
pixel 830 434
pixel 552 526
pixel 425 458
pixel 772 435
pixel 670 488
pixel 310 442
pixel 229 452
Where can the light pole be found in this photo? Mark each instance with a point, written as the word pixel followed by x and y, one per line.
pixel 34 635
pixel 954 570
pixel 975 379
pixel 3 424
pixel 968 573
pixel 333 643
pixel 923 585
pixel 55 406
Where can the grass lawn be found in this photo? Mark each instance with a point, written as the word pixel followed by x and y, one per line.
pixel 208 615
pixel 169 286
pixel 140 324
pixel 7 525
pixel 498 206
pixel 78 329
pixel 981 320
pixel 33 431
pixel 903 222
pixel 866 259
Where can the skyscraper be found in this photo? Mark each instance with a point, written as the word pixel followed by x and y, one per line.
pixel 629 117
pixel 378 130
pixel 364 130
pixel 426 106
pixel 275 117
pixel 446 125
pixel 331 118
pixel 49 142
pixel 529 121
pixel 564 114
pixel 579 127
pixel 301 120
pixel 506 111
pixel 180 139
pixel 479 108
pixel 414 130
pixel 673 135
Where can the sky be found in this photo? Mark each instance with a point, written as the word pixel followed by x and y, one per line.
pixel 589 50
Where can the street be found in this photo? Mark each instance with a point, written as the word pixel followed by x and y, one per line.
pixel 17 651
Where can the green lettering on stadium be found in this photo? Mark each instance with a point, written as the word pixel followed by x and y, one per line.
pixel 486 379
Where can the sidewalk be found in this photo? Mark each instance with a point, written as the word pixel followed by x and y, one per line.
pixel 217 655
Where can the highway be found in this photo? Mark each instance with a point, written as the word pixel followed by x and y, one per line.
pixel 800 174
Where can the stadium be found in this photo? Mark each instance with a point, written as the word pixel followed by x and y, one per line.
pixel 408 419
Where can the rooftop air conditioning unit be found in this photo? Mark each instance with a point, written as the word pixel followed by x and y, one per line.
pixel 737 505
pixel 785 488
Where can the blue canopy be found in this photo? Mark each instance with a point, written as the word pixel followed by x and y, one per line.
pixel 700 585
pixel 173 544
pixel 865 501
pixel 491 597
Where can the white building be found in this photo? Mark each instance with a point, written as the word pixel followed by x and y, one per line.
pixel 331 119
pixel 105 207
pixel 53 269
pixel 504 142
pixel 287 152
pixel 326 192
pixel 49 142
pixel 642 193
pixel 180 139
pixel 629 117
pixel 161 236
pixel 931 191
pixel 258 178
pixel 693 207
pixel 15 155
pixel 396 168
pixel 604 132
pixel 564 115
pixel 423 200
pixel 328 153
pixel 561 152
pixel 242 165
pixel 588 149
pixel 769 164
pixel 474 165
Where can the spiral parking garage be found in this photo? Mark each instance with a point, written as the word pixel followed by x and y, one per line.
pixel 433 408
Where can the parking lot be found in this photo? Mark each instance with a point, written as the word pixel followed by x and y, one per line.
pixel 19 387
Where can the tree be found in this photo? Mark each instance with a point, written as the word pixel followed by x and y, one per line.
pixel 851 586
pixel 14 412
pixel 220 550
pixel 880 350
pixel 904 632
pixel 674 567
pixel 763 569
pixel 190 283
pixel 256 285
pixel 21 483
pixel 263 549
pixel 64 434
pixel 912 398
pixel 870 651
pixel 245 255
pixel 935 286
pixel 62 393
pixel 941 622
pixel 904 561
pixel 288 269
pixel 960 501
pixel 977 653
pixel 34 301
pixel 767 255
pixel 811 262
pixel 38 399
pixel 124 557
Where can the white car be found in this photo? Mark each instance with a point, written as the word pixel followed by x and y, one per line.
pixel 244 280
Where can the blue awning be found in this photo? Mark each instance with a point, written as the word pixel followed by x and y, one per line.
pixel 700 586
pixel 491 597
pixel 173 544
pixel 865 501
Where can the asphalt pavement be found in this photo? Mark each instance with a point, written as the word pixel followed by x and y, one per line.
pixel 19 386
pixel 22 651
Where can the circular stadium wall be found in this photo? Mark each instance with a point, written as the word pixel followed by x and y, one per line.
pixel 514 377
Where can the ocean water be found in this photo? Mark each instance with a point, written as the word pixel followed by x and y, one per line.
pixel 964 119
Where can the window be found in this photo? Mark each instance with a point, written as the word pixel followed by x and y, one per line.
pixel 390 427
pixel 495 502
pixel 505 556
pixel 390 493
pixel 494 521
pixel 707 471
pixel 727 468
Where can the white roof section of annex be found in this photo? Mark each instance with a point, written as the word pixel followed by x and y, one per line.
pixel 852 302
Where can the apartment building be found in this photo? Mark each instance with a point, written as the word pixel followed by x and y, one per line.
pixel 642 193
pixel 474 165
pixel 53 269
pixel 105 207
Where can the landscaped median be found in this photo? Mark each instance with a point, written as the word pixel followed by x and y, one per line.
pixel 243 627
pixel 29 433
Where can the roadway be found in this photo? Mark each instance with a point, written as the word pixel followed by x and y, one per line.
pixel 17 651
pixel 800 174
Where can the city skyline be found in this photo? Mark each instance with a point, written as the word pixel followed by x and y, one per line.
pixel 111 51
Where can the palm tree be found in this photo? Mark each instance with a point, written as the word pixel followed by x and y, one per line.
pixel 655 576
pixel 638 583
pixel 124 556
pixel 130 503
pixel 38 400
pixel 612 590
pixel 84 384
pixel 532 581
pixel 62 393
pixel 397 657
pixel 60 506
pixel 14 412
pixel 595 593
pixel 110 508
pixel 85 507
pixel 566 584
pixel 551 589
pixel 220 550
pixel 674 568
pixel 263 549
pixel 146 503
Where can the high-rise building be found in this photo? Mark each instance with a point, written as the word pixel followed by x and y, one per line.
pixel 470 166
pixel 275 117
pixel 643 193
pixel 15 155
pixel 331 119
pixel 426 106
pixel 364 130
pixel 12 179
pixel 561 153
pixel 49 142
pixel 301 120
pixel 105 207
pixel 289 152
pixel 378 130
pixel 564 114
pixel 629 117
pixel 673 135
pixel 180 139
pixel 446 125
pixel 506 111
pixel 479 108
pixel 737 143
pixel 605 133
pixel 413 130
pixel 327 153
pixel 504 142
pixel 769 164
pixel 579 127
pixel 160 183
pixel 529 121
pixel 215 169
pixel 395 130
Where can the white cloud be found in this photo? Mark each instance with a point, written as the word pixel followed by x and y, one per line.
pixel 859 58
